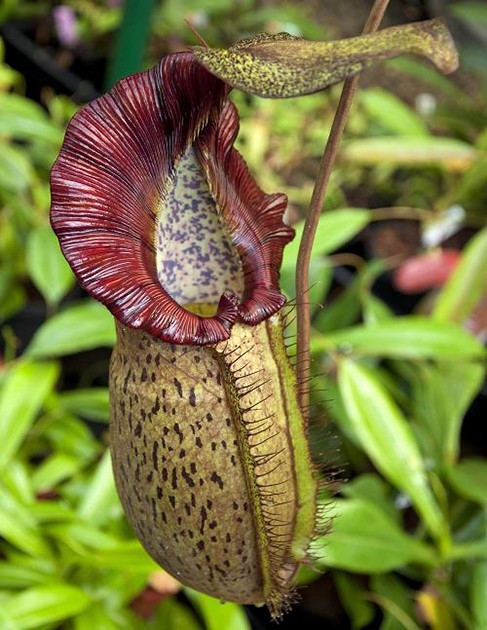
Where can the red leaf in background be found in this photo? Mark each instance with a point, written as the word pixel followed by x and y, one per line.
pixel 426 271
pixel 157 212
pixel 161 586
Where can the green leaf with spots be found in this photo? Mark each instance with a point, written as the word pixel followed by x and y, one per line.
pixel 283 66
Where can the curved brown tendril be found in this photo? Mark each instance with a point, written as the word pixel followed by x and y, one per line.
pixel 314 212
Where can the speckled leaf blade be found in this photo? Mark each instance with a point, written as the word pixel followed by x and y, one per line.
pixel 283 66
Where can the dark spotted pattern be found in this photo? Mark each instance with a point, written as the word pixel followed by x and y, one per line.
pixel 178 466
pixel 196 260
pixel 211 460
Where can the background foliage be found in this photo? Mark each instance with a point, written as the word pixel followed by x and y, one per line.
pixel 399 371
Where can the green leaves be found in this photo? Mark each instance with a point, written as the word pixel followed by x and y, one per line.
pixel 396 600
pixel 441 396
pixel 24 119
pixel 466 285
pixel 283 66
pixel 172 615
pixel 451 154
pixel 22 394
pixel 335 228
pixel 351 596
pixel 409 337
pixel 469 479
pixel 100 500
pixel 46 265
pixel 218 615
pixel 54 470
pixel 478 589
pixel 404 386
pixel 16 172
pixel 387 439
pixel 92 403
pixel 43 605
pixel 365 540
pixel 392 113
pixel 474 13
pixel 81 327
pixel 19 527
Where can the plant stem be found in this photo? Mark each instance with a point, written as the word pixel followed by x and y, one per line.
pixel 313 216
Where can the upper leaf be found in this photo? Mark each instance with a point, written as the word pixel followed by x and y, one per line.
pixel 282 66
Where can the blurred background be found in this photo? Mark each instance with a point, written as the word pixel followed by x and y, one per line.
pixel 399 314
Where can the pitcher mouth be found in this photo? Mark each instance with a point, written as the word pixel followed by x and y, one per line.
pixel 119 200
pixel 197 261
